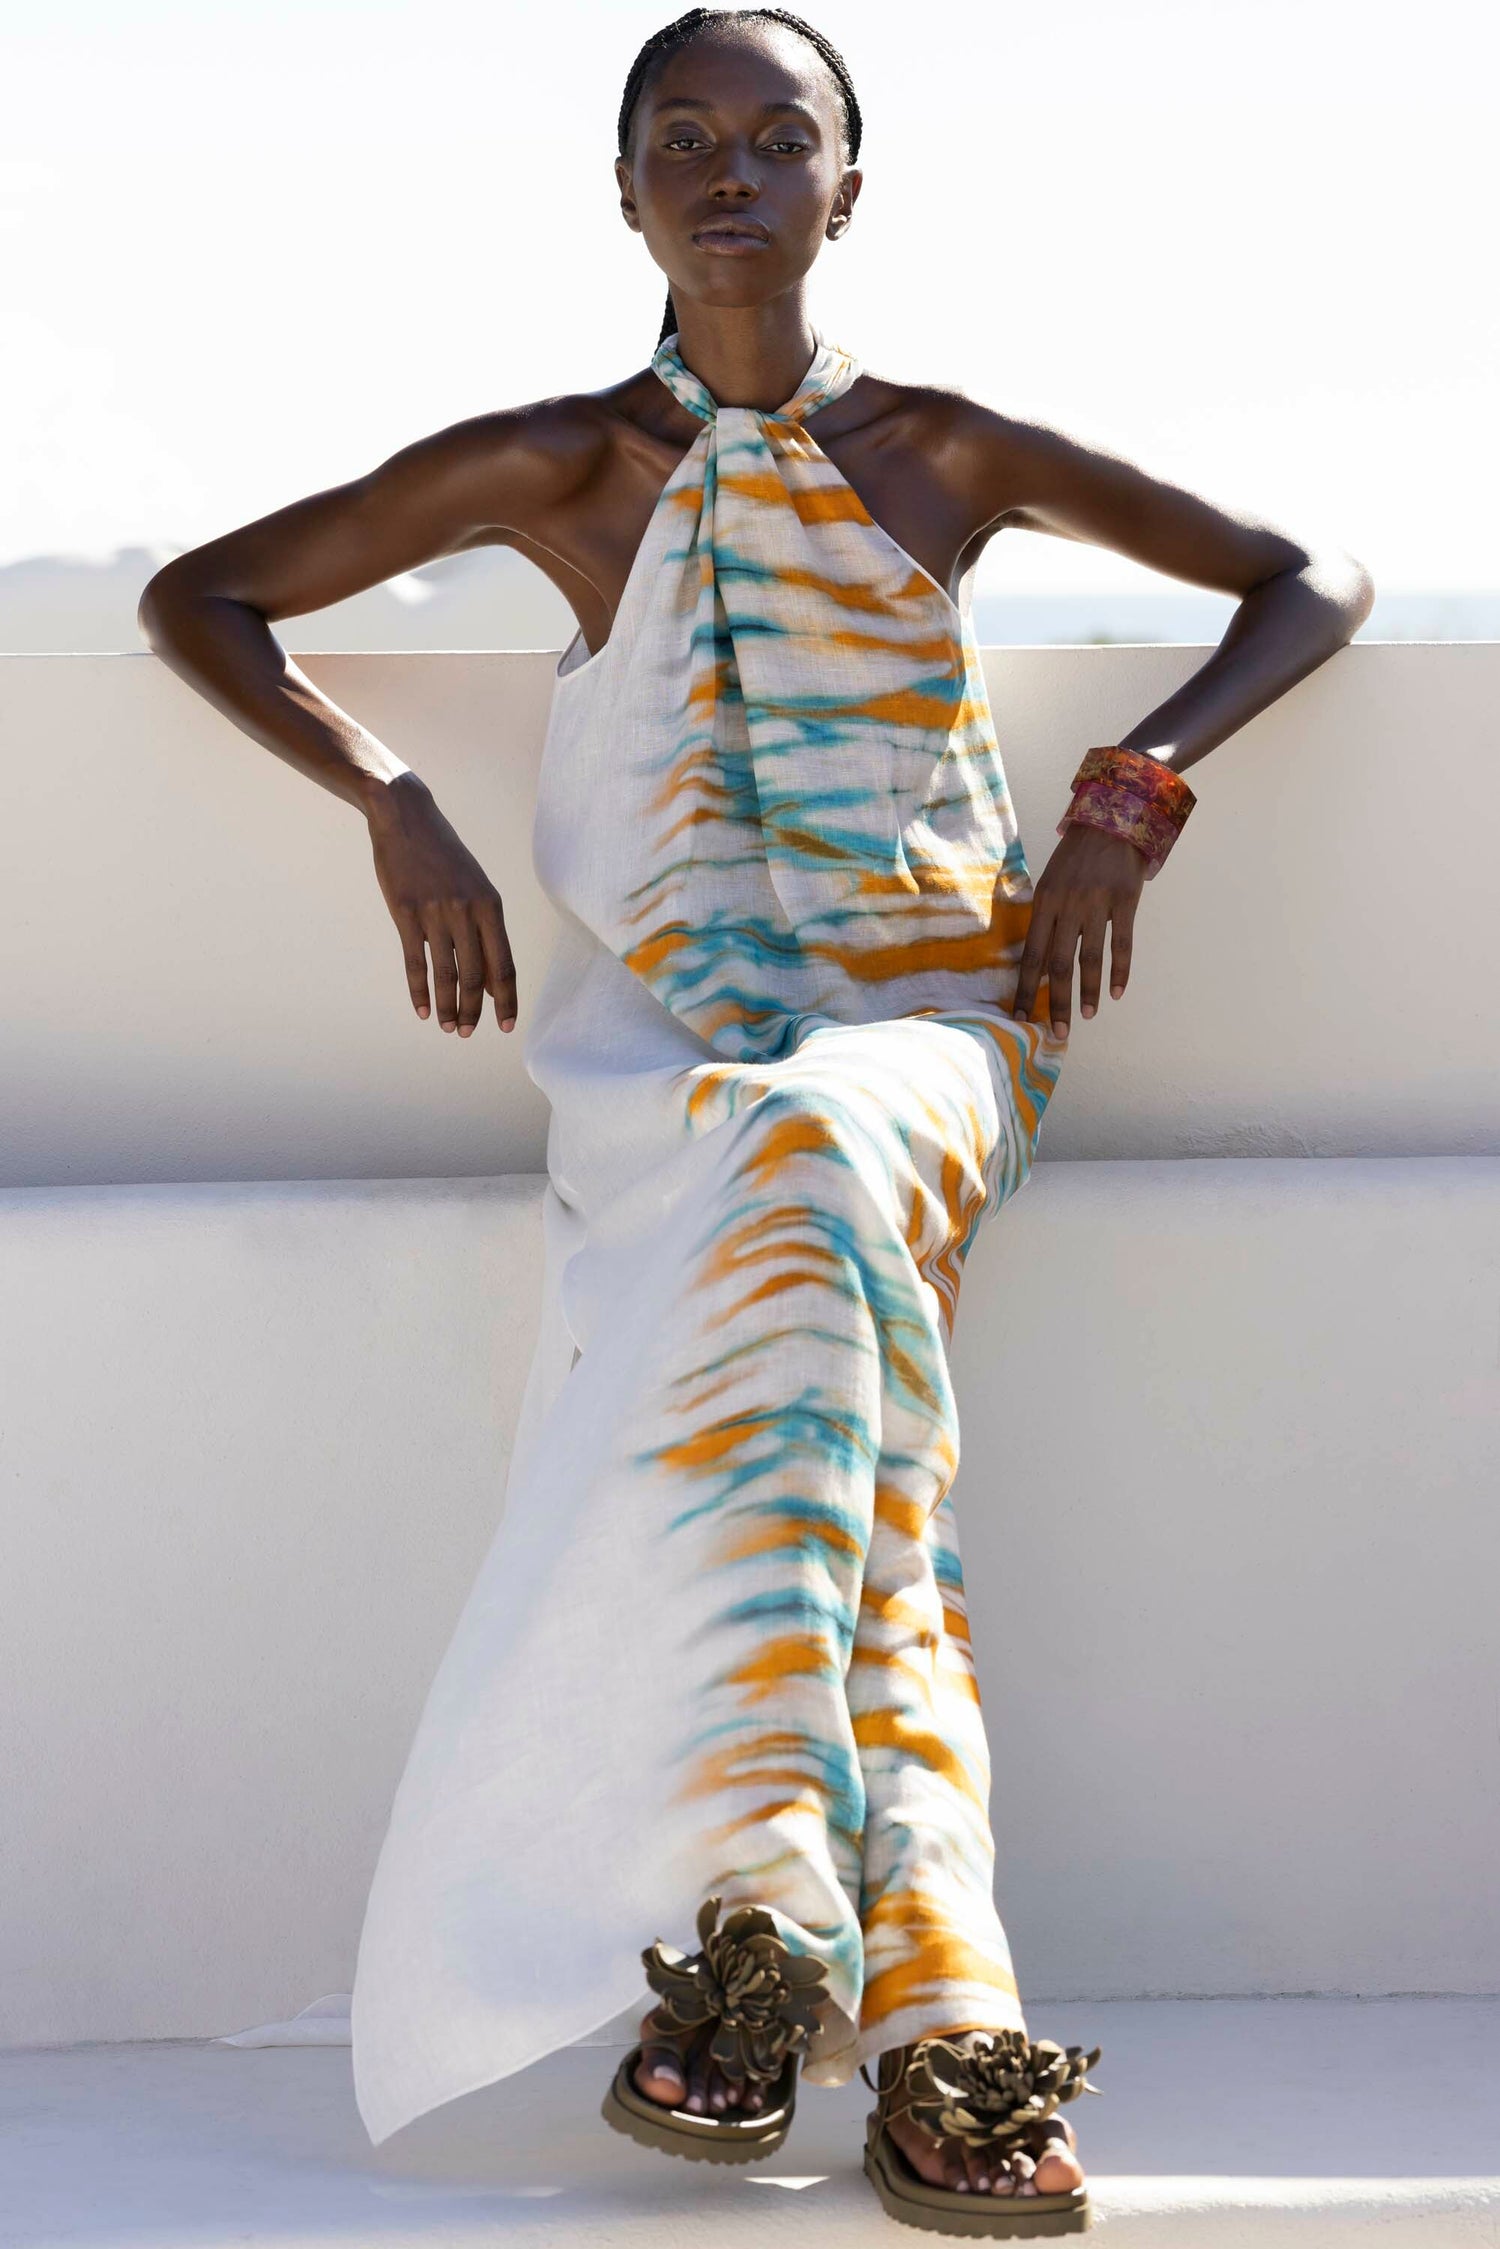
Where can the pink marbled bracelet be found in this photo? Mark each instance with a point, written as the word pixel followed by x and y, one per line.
pixel 1127 794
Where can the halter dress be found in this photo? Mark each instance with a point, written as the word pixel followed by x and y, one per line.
pixel 718 1645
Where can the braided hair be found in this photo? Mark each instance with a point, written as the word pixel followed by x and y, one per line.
pixel 681 33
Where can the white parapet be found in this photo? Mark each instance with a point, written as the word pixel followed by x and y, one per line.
pixel 1227 1499
pixel 202 980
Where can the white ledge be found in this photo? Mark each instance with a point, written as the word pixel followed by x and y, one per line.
pixel 1224 2124
pixel 202 981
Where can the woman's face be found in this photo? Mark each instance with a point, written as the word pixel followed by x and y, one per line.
pixel 736 172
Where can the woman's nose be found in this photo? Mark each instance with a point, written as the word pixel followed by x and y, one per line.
pixel 736 176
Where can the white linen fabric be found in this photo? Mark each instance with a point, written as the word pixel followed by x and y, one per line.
pixel 719 1643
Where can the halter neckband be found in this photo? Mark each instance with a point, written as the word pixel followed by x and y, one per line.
pixel 829 376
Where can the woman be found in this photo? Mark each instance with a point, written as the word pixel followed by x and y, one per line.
pixel 716 1662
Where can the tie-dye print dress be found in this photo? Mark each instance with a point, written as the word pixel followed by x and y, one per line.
pixel 718 1645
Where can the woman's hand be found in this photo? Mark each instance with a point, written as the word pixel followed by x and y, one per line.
pixel 1092 881
pixel 442 902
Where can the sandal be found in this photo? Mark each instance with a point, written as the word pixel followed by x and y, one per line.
pixel 762 1999
pixel 992 2093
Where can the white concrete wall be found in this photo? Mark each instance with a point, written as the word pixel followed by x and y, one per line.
pixel 255 1440
pixel 1229 1426
pixel 202 981
pixel 1228 1507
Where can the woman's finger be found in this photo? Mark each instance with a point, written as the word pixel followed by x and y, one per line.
pixel 1060 973
pixel 444 973
pixel 500 968
pixel 1121 939
pixel 413 952
pixel 470 955
pixel 1034 954
pixel 1091 953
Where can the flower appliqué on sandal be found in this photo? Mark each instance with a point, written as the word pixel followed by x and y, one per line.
pixel 996 2090
pixel 761 1996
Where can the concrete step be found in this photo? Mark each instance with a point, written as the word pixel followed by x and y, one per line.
pixel 1227 1511
pixel 1226 2124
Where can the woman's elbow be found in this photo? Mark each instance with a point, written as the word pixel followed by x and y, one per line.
pixel 1361 592
pixel 159 596
pixel 169 597
pixel 1346 584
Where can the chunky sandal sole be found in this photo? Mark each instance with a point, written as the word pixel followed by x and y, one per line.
pixel 985 2217
pixel 717 2138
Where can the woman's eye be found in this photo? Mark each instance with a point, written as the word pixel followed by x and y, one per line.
pixel 791 146
pixel 683 140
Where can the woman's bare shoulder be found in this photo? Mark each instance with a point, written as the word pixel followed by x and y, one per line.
pixel 1006 468
pixel 1009 471
pixel 954 431
pixel 536 453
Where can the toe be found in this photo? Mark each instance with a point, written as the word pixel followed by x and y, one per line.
pixel 698 2082
pixel 658 2075
pixel 661 2072
pixel 1058 2170
pixel 977 2170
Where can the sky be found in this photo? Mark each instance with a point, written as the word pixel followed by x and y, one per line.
pixel 250 250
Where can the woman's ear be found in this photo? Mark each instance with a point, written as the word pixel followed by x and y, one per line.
pixel 843 205
pixel 628 210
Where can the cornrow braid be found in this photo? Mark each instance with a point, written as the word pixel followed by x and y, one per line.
pixel 683 30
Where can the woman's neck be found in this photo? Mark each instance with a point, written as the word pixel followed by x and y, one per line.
pixel 752 355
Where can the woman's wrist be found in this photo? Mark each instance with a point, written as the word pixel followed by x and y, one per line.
pixel 1133 795
pixel 390 796
pixel 1153 747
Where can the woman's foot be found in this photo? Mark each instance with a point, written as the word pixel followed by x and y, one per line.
pixel 675 2069
pixel 1045 2163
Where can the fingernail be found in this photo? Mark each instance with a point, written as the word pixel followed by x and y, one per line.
pixel 424 1012
pixel 1087 1008
pixel 508 1024
pixel 695 2102
pixel 1059 1030
pixel 465 1029
pixel 1115 991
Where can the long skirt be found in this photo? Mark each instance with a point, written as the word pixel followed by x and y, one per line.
pixel 719 1646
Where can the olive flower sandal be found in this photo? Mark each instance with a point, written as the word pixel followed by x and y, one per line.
pixel 991 2091
pixel 762 1999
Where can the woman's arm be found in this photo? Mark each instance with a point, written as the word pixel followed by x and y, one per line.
pixel 1297 606
pixel 208 614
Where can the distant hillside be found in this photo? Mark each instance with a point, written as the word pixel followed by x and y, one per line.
pixel 494 598
pixel 490 599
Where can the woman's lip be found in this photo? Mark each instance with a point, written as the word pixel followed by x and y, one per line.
pixel 730 242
